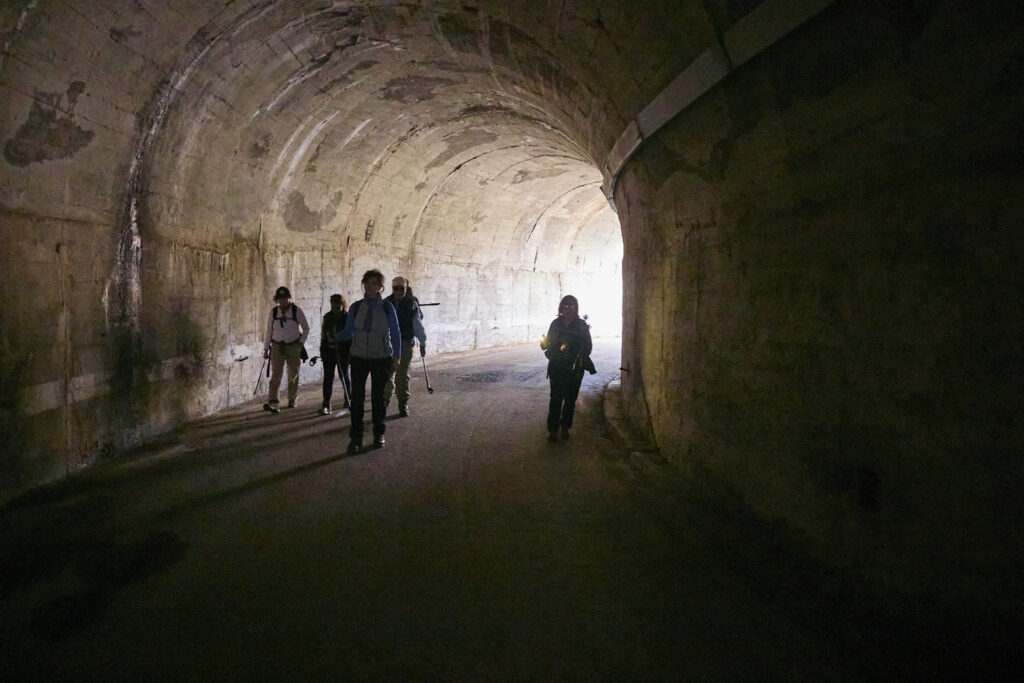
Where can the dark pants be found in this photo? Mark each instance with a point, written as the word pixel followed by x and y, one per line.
pixel 378 369
pixel 335 358
pixel 565 387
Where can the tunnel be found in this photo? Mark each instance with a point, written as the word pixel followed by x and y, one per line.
pixel 801 217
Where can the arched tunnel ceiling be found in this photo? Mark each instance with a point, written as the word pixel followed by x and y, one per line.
pixel 431 132
pixel 420 132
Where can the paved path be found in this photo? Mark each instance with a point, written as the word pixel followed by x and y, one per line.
pixel 247 546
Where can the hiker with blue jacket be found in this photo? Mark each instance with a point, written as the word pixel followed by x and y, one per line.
pixel 372 327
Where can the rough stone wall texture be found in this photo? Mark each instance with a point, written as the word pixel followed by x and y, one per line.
pixel 823 287
pixel 820 283
pixel 167 165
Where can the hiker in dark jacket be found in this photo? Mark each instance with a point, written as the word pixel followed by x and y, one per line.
pixel 567 346
pixel 409 317
pixel 372 327
pixel 333 353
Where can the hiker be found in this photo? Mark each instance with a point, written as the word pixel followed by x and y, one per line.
pixel 333 353
pixel 372 327
pixel 409 316
pixel 567 346
pixel 287 331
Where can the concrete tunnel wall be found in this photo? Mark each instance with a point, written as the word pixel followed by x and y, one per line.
pixel 820 256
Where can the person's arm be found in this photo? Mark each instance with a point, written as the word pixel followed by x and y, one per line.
pixel 269 336
pixel 394 330
pixel 551 340
pixel 300 317
pixel 419 332
pixel 326 331
pixel 344 334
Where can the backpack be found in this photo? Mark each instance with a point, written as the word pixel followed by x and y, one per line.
pixel 295 314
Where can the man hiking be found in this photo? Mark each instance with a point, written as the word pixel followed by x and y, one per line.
pixel 287 331
pixel 409 316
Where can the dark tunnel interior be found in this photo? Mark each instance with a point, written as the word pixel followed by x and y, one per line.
pixel 803 219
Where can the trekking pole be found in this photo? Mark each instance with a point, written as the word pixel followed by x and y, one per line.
pixel 430 389
pixel 259 378
pixel 344 388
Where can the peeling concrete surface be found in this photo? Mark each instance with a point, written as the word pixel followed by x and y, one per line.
pixel 50 131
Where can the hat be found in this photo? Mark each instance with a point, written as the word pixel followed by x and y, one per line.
pixel 399 282
pixel 282 293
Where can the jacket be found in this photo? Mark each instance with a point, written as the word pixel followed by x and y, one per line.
pixel 372 326
pixel 569 347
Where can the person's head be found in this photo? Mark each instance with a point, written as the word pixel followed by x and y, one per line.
pixel 337 303
pixel 373 281
pixel 282 297
pixel 568 307
pixel 399 287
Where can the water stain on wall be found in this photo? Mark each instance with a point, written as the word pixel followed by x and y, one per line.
pixel 49 133
pixel 413 89
pixel 460 142
pixel 298 217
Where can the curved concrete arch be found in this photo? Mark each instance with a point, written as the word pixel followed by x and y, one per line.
pixel 817 252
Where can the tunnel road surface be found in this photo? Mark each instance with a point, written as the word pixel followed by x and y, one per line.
pixel 249 546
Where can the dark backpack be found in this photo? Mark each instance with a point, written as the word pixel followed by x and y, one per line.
pixel 295 314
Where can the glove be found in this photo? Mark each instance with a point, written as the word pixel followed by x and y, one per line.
pixel 423 350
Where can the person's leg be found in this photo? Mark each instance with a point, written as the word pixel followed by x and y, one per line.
pixel 343 368
pixel 293 360
pixel 276 371
pixel 360 369
pixel 573 383
pixel 402 376
pixel 555 404
pixel 330 361
pixel 389 390
pixel 379 372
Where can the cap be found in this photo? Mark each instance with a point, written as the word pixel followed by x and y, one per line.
pixel 282 293
pixel 399 282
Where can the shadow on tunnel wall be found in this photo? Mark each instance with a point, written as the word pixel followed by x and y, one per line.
pixel 836 329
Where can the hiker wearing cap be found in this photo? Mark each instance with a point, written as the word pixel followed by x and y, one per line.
pixel 567 346
pixel 334 353
pixel 372 327
pixel 287 330
pixel 409 316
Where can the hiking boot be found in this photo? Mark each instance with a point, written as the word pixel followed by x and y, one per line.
pixel 378 441
pixel 403 410
pixel 563 433
pixel 326 410
pixel 355 446
pixel 291 403
pixel 270 407
pixel 552 435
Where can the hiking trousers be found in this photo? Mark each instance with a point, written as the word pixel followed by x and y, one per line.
pixel 282 354
pixel 565 387
pixel 399 385
pixel 378 370
pixel 335 358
